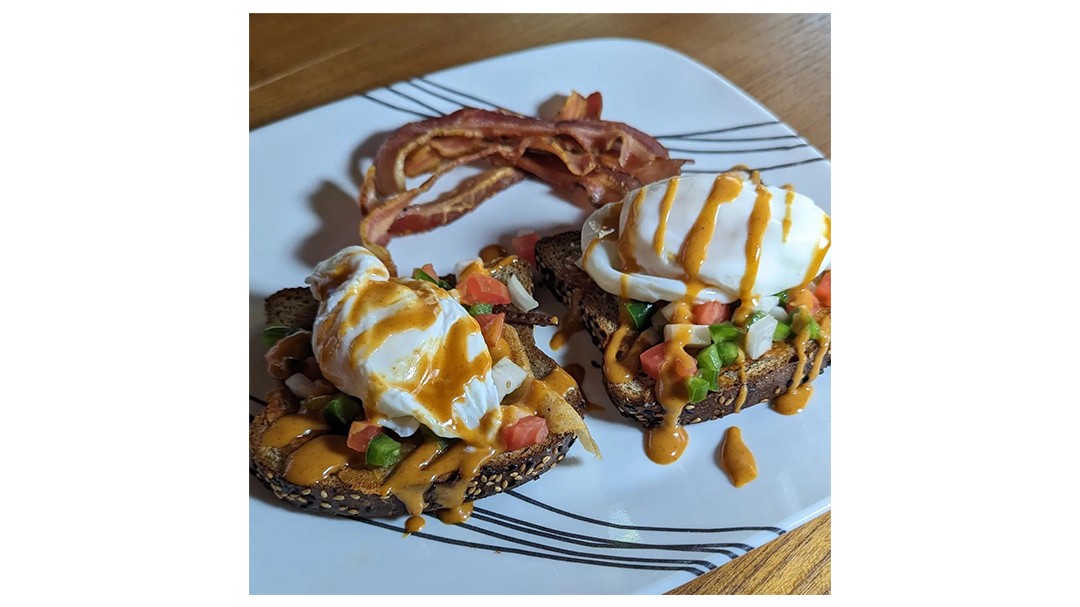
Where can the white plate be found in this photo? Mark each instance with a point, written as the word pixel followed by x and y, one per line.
pixel 620 525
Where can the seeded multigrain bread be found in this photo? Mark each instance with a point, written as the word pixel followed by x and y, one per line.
pixel 354 492
pixel 766 377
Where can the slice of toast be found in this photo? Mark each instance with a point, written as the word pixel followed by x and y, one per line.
pixel 766 377
pixel 355 492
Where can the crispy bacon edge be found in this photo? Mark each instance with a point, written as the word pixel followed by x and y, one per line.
pixel 606 159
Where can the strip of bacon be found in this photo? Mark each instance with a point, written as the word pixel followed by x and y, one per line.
pixel 577 107
pixel 606 159
pixel 636 149
pixel 376 224
pixel 464 198
pixel 469 122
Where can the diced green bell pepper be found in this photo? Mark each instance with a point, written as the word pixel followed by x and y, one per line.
pixel 275 333
pixel 782 331
pixel 383 451
pixel 479 308
pixel 341 411
pixel 639 312
pixel 729 352
pixel 698 388
pixel 724 332
pixel 709 358
pixel 710 375
pixel 419 274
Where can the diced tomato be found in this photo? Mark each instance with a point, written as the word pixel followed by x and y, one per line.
pixel 430 271
pixel 711 313
pixel 478 288
pixel 360 435
pixel 824 289
pixel 802 298
pixel 491 325
pixel 525 245
pixel 651 360
pixel 524 432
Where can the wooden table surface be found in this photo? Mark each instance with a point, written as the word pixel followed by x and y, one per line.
pixel 301 61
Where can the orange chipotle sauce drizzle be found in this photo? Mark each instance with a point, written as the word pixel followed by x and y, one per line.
pixel 415 475
pixel 304 423
pixel 318 459
pixel 665 210
pixel 624 286
pixel 568 325
pixel 492 252
pixel 288 428
pixel 736 459
pixel 819 254
pixel 759 220
pixel 414 524
pixel 788 200
pixel 798 394
pixel 665 444
pixel 694 249
pixel 457 514
pixel 441 382
pixel 741 397
pixel 500 350
pixel 615 370
pixel 561 380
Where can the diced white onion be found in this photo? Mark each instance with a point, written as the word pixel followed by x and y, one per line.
pixel 507 376
pixel 301 385
pixel 759 337
pixel 779 313
pixel 699 334
pixel 669 310
pixel 520 296
pixel 766 303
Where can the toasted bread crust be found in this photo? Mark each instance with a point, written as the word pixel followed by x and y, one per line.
pixel 355 493
pixel 766 377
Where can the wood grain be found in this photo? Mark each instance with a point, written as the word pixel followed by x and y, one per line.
pixel 298 62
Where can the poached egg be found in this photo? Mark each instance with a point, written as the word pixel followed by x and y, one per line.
pixel 708 237
pixel 404 347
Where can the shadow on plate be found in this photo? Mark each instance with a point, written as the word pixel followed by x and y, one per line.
pixel 338 211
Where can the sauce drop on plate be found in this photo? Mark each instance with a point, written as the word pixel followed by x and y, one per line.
pixel 664 444
pixel 414 524
pixel 736 459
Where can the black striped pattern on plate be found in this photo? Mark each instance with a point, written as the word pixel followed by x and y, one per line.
pixel 708 148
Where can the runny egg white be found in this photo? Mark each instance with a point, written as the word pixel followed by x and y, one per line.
pixel 405 347
pixel 654 224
